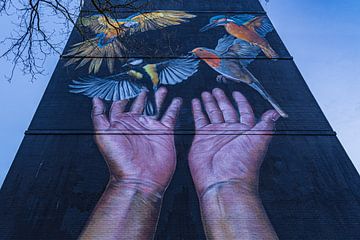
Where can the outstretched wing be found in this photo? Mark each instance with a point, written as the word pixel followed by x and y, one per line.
pixel 175 71
pixel 261 25
pixel 231 47
pixel 224 43
pixel 112 88
pixel 245 51
pixel 100 23
pixel 242 18
pixel 159 19
pixel 89 51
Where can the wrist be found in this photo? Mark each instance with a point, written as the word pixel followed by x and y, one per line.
pixel 147 188
pixel 236 186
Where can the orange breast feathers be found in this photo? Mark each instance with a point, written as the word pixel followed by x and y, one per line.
pixel 243 32
pixel 210 58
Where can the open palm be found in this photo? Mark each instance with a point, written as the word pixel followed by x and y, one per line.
pixel 136 146
pixel 227 147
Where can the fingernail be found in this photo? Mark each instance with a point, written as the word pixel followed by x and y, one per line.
pixel 195 101
pixel 178 100
pixel 216 90
pixel 275 116
pixel 206 94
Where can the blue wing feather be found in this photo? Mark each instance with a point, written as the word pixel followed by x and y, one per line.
pixel 242 18
pixel 175 71
pixel 224 43
pixel 112 88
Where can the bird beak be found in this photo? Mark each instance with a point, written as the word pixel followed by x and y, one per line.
pixel 209 26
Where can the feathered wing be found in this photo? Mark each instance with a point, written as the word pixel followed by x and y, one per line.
pixel 242 18
pixel 261 25
pixel 158 19
pixel 224 44
pixel 231 47
pixel 89 51
pixel 112 88
pixel 177 70
pixel 100 23
pixel 247 52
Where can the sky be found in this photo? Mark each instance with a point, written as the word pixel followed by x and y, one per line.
pixel 323 36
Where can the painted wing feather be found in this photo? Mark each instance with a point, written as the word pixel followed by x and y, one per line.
pixel 112 88
pixel 89 51
pixel 261 25
pixel 230 47
pixel 242 18
pixel 224 43
pixel 246 51
pixel 175 71
pixel 100 23
pixel 159 19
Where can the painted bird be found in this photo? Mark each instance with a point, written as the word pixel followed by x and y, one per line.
pixel 248 28
pixel 140 77
pixel 225 60
pixel 108 44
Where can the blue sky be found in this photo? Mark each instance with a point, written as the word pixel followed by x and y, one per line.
pixel 323 36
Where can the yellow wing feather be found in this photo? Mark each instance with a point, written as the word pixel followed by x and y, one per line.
pixel 89 51
pixel 159 19
pixel 100 23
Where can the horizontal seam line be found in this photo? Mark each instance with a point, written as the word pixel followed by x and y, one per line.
pixel 191 11
pixel 173 57
pixel 189 132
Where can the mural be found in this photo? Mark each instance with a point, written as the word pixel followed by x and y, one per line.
pixel 188 142
pixel 140 77
pixel 246 27
pixel 223 166
pixel 109 33
pixel 227 59
pixel 248 30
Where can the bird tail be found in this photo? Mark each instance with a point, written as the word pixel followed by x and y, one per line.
pixel 269 52
pixel 150 106
pixel 259 88
pixel 89 51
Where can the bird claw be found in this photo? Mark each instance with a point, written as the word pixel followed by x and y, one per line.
pixel 221 79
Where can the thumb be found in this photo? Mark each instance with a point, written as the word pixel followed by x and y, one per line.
pixel 265 128
pixel 100 120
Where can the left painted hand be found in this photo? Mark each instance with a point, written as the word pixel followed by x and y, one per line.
pixel 137 147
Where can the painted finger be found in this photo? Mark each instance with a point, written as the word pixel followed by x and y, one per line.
pixel 139 103
pixel 200 119
pixel 160 96
pixel 212 109
pixel 98 115
pixel 169 118
pixel 246 113
pixel 265 128
pixel 117 108
pixel 228 110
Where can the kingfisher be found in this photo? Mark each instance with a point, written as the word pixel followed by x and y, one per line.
pixel 250 28
pixel 230 58
pixel 139 77
pixel 108 44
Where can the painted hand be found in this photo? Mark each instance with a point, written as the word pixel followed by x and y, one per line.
pixel 134 146
pixel 226 147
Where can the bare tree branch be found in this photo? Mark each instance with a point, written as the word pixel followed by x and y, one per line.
pixel 42 26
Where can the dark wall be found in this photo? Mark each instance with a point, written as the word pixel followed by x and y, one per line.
pixel 308 185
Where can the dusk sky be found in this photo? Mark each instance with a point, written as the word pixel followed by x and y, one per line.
pixel 323 36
